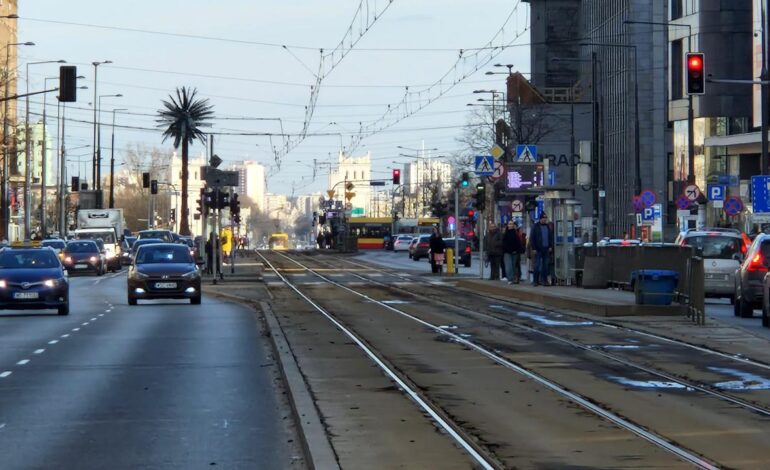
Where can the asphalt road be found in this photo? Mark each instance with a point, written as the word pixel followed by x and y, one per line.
pixel 161 385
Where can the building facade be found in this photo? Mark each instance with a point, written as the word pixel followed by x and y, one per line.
pixel 425 181
pixel 356 171
pixel 251 179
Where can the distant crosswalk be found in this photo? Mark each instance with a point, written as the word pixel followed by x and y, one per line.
pixel 362 280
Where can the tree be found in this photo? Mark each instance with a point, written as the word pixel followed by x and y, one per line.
pixel 129 193
pixel 182 119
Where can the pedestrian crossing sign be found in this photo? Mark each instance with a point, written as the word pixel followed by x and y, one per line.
pixel 526 153
pixel 485 165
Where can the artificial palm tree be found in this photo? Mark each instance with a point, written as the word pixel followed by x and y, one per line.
pixel 182 118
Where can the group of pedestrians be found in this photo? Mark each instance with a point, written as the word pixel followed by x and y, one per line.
pixel 325 240
pixel 505 249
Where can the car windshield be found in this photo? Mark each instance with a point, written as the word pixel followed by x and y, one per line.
pixel 715 246
pixel 163 254
pixel 82 247
pixel 404 238
pixel 26 259
pixel 146 241
pixel 107 236
pixel 159 234
pixel 58 244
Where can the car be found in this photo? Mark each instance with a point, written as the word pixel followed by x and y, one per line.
pixel 190 244
pixel 142 242
pixel 163 271
pixel 722 252
pixel 464 250
pixel 33 278
pixel 421 247
pixel 750 277
pixel 56 244
pixel 125 250
pixel 83 256
pixel 109 244
pixel 164 235
pixel 402 242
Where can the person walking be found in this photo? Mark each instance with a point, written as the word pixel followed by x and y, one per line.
pixel 541 243
pixel 437 247
pixel 320 240
pixel 494 245
pixel 511 250
pixel 523 242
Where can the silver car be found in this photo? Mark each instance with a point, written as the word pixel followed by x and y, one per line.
pixel 722 253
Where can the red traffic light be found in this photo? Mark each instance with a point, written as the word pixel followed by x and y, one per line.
pixel 695 73
pixel 471 213
pixel 695 63
pixel 396 176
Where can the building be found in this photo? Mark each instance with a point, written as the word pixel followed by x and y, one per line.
pixel 425 181
pixel 8 35
pixel 251 181
pixel 355 172
pixel 194 185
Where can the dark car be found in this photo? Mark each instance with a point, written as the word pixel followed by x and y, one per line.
pixel 33 278
pixel 125 250
pixel 750 276
pixel 142 242
pixel 83 256
pixel 421 247
pixel 166 235
pixel 464 251
pixel 164 271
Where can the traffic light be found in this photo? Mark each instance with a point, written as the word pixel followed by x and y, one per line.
pixel 145 180
pixel 224 200
pixel 68 84
pixel 154 187
pixel 464 181
pixel 173 214
pixel 470 213
pixel 208 201
pixel 696 74
pixel 235 205
pixel 75 184
pixel 396 176
pixel 199 202
pixel 481 197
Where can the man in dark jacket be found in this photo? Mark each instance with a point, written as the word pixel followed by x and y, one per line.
pixel 493 243
pixel 511 250
pixel 541 243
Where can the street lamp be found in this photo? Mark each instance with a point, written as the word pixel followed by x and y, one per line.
pixel 63 169
pixel 96 147
pixel 28 155
pixel 112 159
pixel 4 198
pixel 98 178
pixel 44 159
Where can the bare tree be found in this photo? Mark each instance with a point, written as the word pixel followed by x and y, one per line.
pixel 129 193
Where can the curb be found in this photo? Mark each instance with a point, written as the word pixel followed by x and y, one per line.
pixel 315 443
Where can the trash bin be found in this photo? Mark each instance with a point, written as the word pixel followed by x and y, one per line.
pixel 654 286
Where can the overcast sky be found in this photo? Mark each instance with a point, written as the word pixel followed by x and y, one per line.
pixel 232 52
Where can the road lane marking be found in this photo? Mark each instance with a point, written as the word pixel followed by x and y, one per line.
pixel 94 319
pixel 39 351
pixel 85 323
pixel 22 362
pixel 65 335
pixel 53 341
pixel 5 374
pixel 101 314
pixel 76 329
pixel 2 425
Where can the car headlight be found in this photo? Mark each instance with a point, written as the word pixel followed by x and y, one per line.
pixel 50 282
pixel 68 259
pixel 3 284
pixel 190 275
pixel 93 259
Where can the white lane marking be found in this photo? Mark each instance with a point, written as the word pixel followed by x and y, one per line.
pixel 53 341
pixel 85 323
pixel 22 362
pixel 93 319
pixel 65 335
pixel 5 374
pixel 76 329
pixel 39 351
pixel 2 425
pixel 101 314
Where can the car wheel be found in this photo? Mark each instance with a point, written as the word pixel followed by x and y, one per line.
pixel 745 309
pixel 64 309
pixel 131 300
pixel 195 300
pixel 765 316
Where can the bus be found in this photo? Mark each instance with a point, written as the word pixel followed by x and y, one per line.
pixel 279 241
pixel 371 231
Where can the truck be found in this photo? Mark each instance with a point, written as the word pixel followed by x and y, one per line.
pixel 104 224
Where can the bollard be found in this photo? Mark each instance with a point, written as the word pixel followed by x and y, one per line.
pixel 450 260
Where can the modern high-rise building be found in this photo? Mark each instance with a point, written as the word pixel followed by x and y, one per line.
pixel 251 179
pixel 425 181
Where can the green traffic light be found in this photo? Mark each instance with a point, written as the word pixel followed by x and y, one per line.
pixel 465 183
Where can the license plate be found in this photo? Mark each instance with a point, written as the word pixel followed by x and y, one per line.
pixel 81 266
pixel 165 285
pixel 25 295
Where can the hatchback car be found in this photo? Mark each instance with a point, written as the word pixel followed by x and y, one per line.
pixel 164 271
pixel 142 242
pixel 750 276
pixel 402 242
pixel 33 278
pixel 722 253
pixel 421 247
pixel 83 256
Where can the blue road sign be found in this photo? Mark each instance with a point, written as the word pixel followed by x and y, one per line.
pixel 538 210
pixel 648 198
pixel 648 214
pixel 526 153
pixel 730 180
pixel 683 203
pixel 715 192
pixel 485 165
pixel 733 206
pixel 760 193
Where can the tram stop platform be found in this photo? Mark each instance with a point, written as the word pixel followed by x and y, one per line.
pixel 599 302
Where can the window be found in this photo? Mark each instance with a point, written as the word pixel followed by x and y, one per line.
pixel 677 9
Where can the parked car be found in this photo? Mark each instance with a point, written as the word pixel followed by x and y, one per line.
pixel 166 235
pixel 464 248
pixel 412 244
pixel 722 252
pixel 402 243
pixel 750 277
pixel 421 247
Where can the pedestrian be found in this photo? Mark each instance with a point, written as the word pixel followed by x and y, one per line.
pixel 523 245
pixel 494 245
pixel 511 251
pixel 328 240
pixel 320 240
pixel 437 247
pixel 541 244
pixel 209 256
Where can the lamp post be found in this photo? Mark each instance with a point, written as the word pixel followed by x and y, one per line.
pixel 98 177
pixel 44 159
pixel 63 171
pixel 28 155
pixel 5 202
pixel 112 159
pixel 96 65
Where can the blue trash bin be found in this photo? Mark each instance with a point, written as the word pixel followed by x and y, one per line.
pixel 654 286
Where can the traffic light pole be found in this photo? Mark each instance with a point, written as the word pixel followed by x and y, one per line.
pixel 457 230
pixel 233 244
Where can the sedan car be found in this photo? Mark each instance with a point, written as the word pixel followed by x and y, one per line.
pixel 83 256
pixel 33 278
pixel 402 242
pixel 56 244
pixel 421 247
pixel 165 235
pixel 164 271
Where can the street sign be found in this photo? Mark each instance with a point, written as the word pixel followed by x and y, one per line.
pixel 683 202
pixel 485 165
pixel 729 180
pixel 648 214
pixel 691 192
pixel 648 197
pixel 331 193
pixel 499 171
pixel 517 205
pixel 376 183
pixel 733 206
pixel 637 203
pixel 496 151
pixel 715 192
pixel 760 193
pixel 526 153
pixel 219 178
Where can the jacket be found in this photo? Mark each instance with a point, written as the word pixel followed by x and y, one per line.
pixel 512 242
pixel 494 243
pixel 437 244
pixel 536 238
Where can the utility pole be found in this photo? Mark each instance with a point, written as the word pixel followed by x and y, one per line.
pixel 764 95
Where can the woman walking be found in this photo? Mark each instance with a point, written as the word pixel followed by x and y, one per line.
pixel 437 247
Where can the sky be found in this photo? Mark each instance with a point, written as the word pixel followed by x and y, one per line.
pixel 402 77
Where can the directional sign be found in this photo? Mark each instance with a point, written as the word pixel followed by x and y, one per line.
pixel 730 180
pixel 648 197
pixel 648 214
pixel 526 153
pixel 715 192
pixel 760 193
pixel 692 192
pixel 733 206
pixel 517 205
pixel 683 202
pixel 499 171
pixel 485 165
pixel 637 203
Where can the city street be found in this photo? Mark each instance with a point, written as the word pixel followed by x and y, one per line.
pixel 163 384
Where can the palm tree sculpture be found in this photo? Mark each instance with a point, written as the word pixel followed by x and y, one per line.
pixel 182 119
